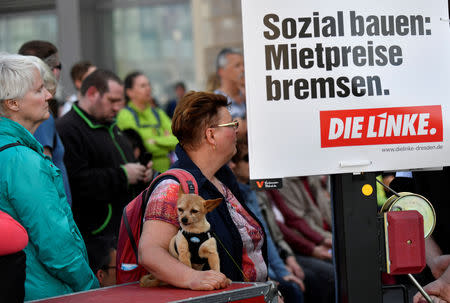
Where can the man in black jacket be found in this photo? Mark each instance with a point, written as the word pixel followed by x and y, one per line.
pixel 102 171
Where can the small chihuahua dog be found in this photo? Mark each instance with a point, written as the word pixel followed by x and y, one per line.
pixel 193 245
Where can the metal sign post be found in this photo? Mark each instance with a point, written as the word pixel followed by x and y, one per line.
pixel 356 238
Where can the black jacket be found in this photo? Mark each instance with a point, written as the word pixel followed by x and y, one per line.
pixel 94 155
pixel 433 185
pixel 220 219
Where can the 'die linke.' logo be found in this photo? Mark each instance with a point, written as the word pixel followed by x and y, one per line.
pixel 381 126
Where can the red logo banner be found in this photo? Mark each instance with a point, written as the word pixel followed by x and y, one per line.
pixel 373 126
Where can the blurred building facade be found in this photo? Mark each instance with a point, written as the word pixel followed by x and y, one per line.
pixel 169 40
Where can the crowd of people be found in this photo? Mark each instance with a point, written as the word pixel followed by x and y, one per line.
pixel 68 172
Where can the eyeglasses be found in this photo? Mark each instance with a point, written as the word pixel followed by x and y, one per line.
pixel 59 66
pixel 109 267
pixel 234 124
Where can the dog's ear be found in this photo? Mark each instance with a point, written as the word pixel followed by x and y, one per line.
pixel 180 191
pixel 211 204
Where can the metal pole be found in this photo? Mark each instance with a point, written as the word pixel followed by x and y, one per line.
pixel 356 238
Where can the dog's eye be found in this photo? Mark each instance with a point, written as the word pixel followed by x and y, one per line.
pixel 180 210
pixel 194 211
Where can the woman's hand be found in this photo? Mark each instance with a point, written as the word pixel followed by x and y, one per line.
pixel 292 278
pixel 295 268
pixel 208 280
pixel 328 242
pixel 321 252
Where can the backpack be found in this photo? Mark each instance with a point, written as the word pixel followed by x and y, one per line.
pixel 128 268
pixel 138 122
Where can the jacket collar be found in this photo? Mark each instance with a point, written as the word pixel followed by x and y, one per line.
pixel 224 174
pixel 89 119
pixel 19 133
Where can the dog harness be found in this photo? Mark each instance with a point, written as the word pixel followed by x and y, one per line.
pixel 194 242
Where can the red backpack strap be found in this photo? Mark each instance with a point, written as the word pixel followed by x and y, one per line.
pixel 185 178
pixel 187 183
pixel 132 221
pixel 128 226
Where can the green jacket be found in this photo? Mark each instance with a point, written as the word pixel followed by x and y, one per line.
pixel 148 127
pixel 32 192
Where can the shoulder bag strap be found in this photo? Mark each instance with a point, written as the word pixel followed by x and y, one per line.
pixel 10 145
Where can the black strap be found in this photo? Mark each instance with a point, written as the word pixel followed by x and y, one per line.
pixel 205 234
pixel 190 186
pixel 130 234
pixel 175 246
pixel 10 145
pixel 203 237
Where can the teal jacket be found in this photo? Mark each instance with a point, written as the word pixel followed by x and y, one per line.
pixel 32 192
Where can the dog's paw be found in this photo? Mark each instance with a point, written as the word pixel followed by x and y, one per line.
pixel 148 281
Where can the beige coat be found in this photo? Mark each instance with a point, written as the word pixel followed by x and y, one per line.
pixel 298 199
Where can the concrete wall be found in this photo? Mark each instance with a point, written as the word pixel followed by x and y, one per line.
pixel 216 24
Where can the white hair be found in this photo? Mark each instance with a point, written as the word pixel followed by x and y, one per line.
pixel 48 77
pixel 17 74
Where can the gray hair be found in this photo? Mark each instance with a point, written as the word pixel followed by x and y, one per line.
pixel 221 60
pixel 48 77
pixel 52 60
pixel 16 77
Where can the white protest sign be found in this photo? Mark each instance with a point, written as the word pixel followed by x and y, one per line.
pixel 346 86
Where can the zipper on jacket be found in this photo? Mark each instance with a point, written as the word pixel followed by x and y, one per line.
pixel 113 137
pixel 110 130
